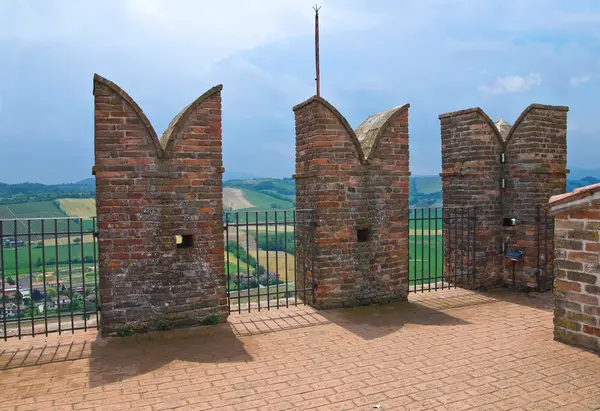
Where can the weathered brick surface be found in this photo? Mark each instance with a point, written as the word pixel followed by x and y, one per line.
pixel 471 173
pixel 535 170
pixel 577 287
pixel 148 191
pixel 534 150
pixel 354 181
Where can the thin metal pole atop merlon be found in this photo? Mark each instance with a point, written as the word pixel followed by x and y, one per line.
pixel 317 78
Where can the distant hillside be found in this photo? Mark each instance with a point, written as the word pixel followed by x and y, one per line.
pixel 259 193
pixel 586 181
pixel 234 175
pixel 576 173
pixel 35 192
pixel 243 194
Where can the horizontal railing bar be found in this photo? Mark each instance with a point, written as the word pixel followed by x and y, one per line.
pixel 65 315
pixel 61 331
pixel 48 218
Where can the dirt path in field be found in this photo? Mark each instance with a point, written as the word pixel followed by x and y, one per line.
pixel 234 198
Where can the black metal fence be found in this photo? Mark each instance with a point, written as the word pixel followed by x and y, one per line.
pixel 49 276
pixel 545 250
pixel 441 248
pixel 268 258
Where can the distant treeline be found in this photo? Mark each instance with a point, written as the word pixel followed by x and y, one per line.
pixel 34 192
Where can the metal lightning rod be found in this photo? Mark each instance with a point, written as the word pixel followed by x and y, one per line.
pixel 318 77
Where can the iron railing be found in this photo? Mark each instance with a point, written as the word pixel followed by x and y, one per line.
pixel 441 248
pixel 49 276
pixel 269 258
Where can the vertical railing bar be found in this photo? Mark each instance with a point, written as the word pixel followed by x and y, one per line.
pixel 277 259
pixel 415 253
pixel 545 243
pixel 267 255
pixel 553 238
pixel 57 276
pixel 3 279
pixel 468 247
pixel 30 278
pixel 257 271
pixel 436 249
pixel 429 249
pixel 538 221
pixel 462 244
pixel 455 246
pixel 296 263
pixel 248 258
pixel 94 233
pixel 228 288
pixel 70 275
pixel 237 254
pixel 44 279
pixel 17 280
pixel 474 273
pixel 444 248
pixel 83 274
pixel 286 258
pixel 422 249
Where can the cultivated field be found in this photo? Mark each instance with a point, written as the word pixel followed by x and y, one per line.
pixel 78 207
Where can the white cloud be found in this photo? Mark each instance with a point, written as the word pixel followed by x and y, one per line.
pixel 512 84
pixel 578 80
pixel 209 31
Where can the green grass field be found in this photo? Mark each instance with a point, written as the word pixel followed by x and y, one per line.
pixel 41 209
pixel 11 260
pixel 426 256
pixel 265 202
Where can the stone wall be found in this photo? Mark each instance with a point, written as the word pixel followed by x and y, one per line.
pixel 506 173
pixel 577 267
pixel 149 194
pixel 357 185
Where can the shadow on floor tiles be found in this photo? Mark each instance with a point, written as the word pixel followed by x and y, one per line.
pixel 116 359
pixel 377 321
pixel 541 301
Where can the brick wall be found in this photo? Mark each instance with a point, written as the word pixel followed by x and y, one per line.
pixel 471 173
pixel 148 191
pixel 534 169
pixel 577 267
pixel 357 183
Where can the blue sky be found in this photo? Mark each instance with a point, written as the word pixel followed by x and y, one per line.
pixel 437 55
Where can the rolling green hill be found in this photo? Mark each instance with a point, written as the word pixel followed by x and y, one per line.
pixel 31 200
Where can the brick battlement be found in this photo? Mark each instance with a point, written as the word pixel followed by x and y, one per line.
pixel 148 192
pixel 507 174
pixel 357 183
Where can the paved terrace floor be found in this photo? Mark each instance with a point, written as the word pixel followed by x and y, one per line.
pixel 450 350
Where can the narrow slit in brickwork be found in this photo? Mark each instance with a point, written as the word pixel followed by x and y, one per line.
pixel 184 241
pixel 509 221
pixel 363 235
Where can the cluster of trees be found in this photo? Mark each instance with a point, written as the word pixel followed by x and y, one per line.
pixel 50 261
pixel 281 242
pixel 242 283
pixel 239 251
